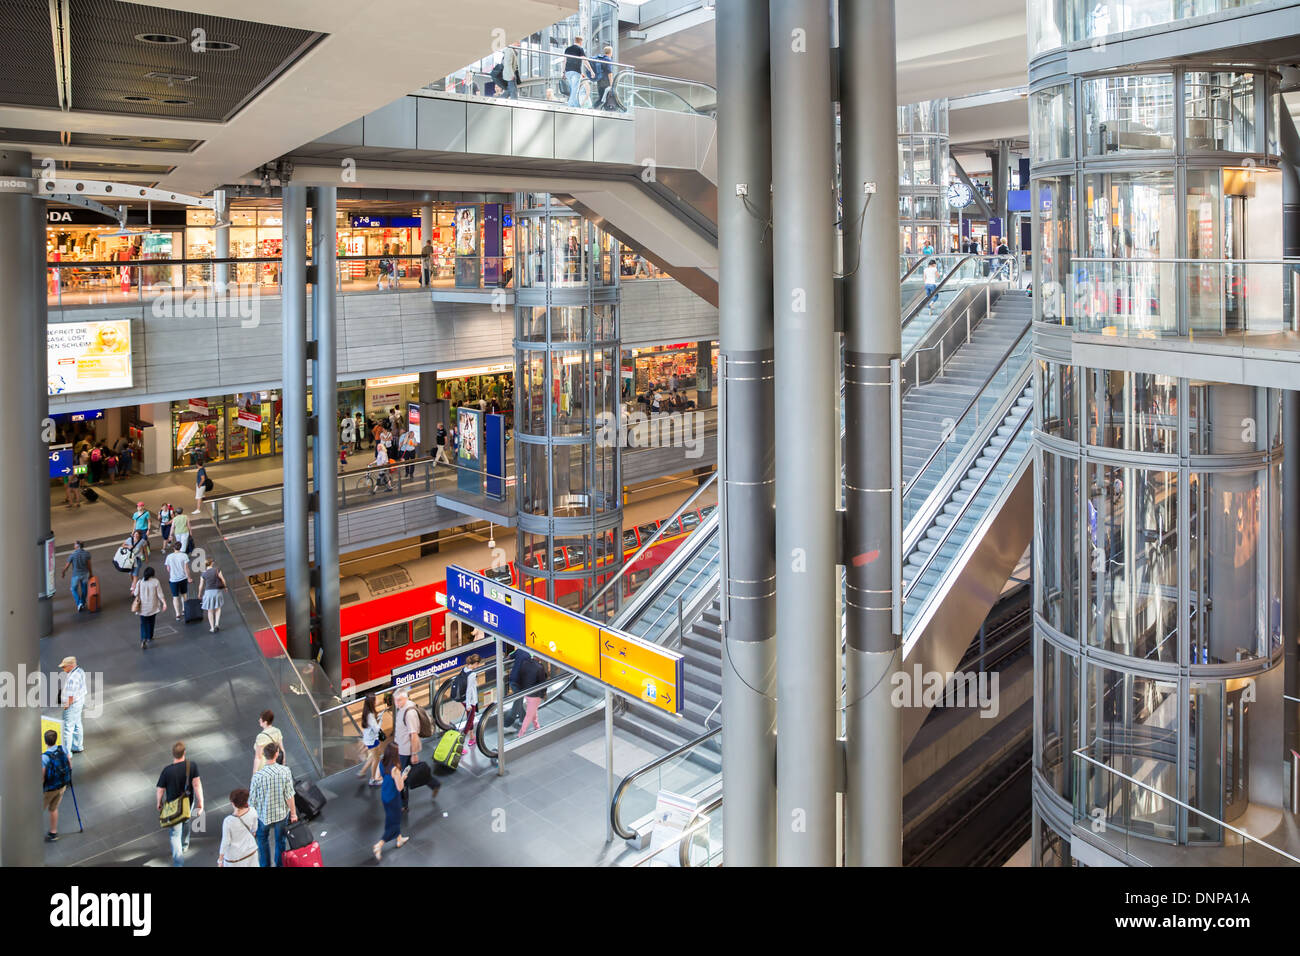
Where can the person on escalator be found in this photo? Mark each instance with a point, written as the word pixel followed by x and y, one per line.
pixel 536 679
pixel 931 279
pixel 518 672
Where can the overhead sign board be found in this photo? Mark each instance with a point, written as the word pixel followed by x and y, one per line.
pixel 442 664
pixel 485 603
pixel 625 664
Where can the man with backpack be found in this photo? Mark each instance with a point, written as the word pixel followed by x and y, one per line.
pixel 56 773
pixel 409 726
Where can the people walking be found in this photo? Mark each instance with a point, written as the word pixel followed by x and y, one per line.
pixel 200 487
pixel 179 781
pixel 79 562
pixel 575 65
pixel 930 276
pixel 269 734
pixel 166 515
pixel 56 776
pixel 238 833
pixel 536 677
pixel 139 547
pixel 142 519
pixel 181 529
pixel 393 793
pixel 372 752
pixel 510 71
pixel 406 446
pixel 271 796
pixel 73 698
pixel 464 688
pixel 178 578
pixel 212 592
pixel 604 67
pixel 440 441
pixel 406 733
pixel 148 604
pixel 426 263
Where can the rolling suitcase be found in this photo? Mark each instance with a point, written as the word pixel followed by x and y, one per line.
pixel 193 610
pixel 298 835
pixel 90 494
pixel 447 753
pixel 92 595
pixel 306 856
pixel 308 798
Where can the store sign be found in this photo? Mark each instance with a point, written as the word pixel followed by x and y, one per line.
pixel 199 406
pixel 90 415
pixel 88 356
pixel 250 420
pixel 426 669
pixel 388 380
pixel 384 222
pixel 382 401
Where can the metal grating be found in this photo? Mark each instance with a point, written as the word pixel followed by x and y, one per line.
pixel 108 63
pixel 27 52
pixel 91 169
pixel 385 582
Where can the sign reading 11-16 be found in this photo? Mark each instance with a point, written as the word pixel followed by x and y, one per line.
pixel 490 605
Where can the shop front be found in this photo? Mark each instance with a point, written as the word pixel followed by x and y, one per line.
pixel 225 428
pixel 655 367
pixel 84 236
pixel 486 383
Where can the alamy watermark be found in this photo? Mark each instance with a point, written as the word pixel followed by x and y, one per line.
pixel 922 688
pixel 40 690
pixel 656 430
pixel 241 300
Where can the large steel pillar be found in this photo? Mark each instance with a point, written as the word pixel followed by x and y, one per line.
pixel 39 319
pixel 746 447
pixel 429 417
pixel 293 281
pixel 221 242
pixel 325 441
pixel 806 377
pixel 873 798
pixel 22 310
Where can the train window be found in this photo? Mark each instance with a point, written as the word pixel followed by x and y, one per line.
pixel 646 530
pixel 419 630
pixel 500 575
pixel 690 519
pixel 532 556
pixel 708 510
pixel 557 556
pixel 577 555
pixel 358 648
pixel 630 542
pixel 391 638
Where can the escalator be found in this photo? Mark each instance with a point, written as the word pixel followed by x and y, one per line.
pixel 968 519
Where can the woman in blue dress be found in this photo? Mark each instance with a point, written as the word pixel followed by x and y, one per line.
pixel 391 794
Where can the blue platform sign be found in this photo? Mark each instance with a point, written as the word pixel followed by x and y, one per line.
pixel 61 462
pixel 485 603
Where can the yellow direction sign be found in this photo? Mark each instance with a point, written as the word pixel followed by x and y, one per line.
pixel 643 670
pixel 563 637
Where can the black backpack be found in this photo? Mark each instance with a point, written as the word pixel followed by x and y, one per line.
pixel 58 772
pixel 459 685
pixel 499 73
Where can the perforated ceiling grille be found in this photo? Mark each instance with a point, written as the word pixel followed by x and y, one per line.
pixel 390 579
pixel 27 54
pixel 52 137
pixel 110 64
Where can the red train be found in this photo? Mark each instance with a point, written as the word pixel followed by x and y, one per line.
pixel 392 616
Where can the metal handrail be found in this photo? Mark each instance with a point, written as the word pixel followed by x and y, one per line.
pixel 641 771
pixel 947 532
pixel 708 567
pixel 693 827
pixel 663 526
pixel 1284 261
pixel 668 571
pixel 311 479
pixel 997 367
pixel 1186 806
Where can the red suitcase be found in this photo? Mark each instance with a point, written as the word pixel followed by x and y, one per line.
pixel 306 856
pixel 92 595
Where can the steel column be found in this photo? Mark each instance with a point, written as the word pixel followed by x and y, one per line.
pixel 1290 517
pixel 221 244
pixel 873 801
pixel 429 417
pixel 22 310
pixel 807 488
pixel 293 280
pixel 38 316
pixel 746 446
pixel 325 443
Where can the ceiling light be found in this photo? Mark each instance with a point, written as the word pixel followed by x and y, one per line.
pixel 137 98
pixel 119 139
pixel 170 78
pixel 214 46
pixel 159 39
pixel 176 102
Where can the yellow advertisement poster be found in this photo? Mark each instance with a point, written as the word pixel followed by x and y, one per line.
pixel 88 356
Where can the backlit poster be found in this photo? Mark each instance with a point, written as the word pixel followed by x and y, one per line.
pixel 469 450
pixel 467 259
pixel 494 440
pixel 88 356
pixel 493 269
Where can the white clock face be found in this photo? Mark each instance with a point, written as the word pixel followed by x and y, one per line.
pixel 959 196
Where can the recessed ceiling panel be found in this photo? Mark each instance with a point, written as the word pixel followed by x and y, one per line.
pixel 27 52
pixel 129 58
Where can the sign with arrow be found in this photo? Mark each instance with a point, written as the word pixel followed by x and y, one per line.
pixel 650 673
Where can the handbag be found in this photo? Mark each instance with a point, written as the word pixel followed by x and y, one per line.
pixel 178 810
pixel 135 606
pixel 124 560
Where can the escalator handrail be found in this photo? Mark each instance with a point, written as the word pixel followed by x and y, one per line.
pixel 997 367
pixel 566 679
pixel 684 853
pixel 970 499
pixel 663 526
pixel 644 769
pixel 688 551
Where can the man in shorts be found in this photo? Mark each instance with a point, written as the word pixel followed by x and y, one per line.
pixel 178 576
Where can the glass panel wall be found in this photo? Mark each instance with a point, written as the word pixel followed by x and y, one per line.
pixel 1123 114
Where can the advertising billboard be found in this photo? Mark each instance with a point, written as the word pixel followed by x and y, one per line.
pixel 88 356
pixel 469 450
pixel 467 261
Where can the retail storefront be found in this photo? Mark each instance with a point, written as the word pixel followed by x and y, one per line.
pixel 225 428
pixel 82 235
pixel 482 382
pixel 658 364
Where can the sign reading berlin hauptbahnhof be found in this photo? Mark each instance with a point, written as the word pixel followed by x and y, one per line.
pixel 625 664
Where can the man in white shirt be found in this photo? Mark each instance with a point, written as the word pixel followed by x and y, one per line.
pixel 178 576
pixel 74 701
pixel 406 730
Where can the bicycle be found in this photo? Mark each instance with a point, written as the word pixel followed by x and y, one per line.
pixel 373 481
